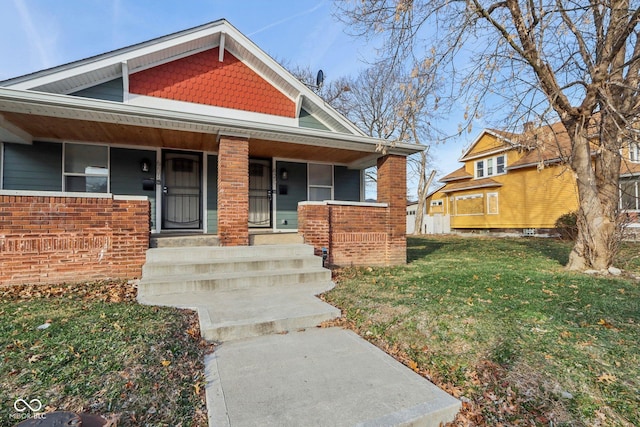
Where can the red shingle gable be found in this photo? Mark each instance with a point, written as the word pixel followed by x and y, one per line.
pixel 202 79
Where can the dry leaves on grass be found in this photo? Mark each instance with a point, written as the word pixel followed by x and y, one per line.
pixel 102 290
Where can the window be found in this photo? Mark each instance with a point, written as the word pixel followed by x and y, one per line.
pixel 492 203
pixel 86 168
pixel 472 204
pixel 436 203
pixel 320 182
pixel 491 166
pixel 630 194
pixel 500 160
pixel 634 151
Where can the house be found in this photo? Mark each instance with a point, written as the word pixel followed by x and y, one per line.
pixel 519 183
pixel 436 223
pixel 198 132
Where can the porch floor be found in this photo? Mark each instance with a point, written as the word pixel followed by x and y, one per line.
pixel 187 239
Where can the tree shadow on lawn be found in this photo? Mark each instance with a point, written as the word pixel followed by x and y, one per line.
pixel 554 249
pixel 420 247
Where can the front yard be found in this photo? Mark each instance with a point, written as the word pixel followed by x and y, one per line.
pixel 500 324
pixel 496 322
pixel 91 348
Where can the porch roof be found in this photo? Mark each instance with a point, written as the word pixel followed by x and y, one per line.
pixel 26 116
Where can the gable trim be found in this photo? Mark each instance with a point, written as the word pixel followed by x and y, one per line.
pixel 477 140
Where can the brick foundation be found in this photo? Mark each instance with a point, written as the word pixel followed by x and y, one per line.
pixel 233 191
pixel 62 238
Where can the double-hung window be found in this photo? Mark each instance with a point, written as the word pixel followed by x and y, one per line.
pixel 320 182
pixel 491 166
pixel 634 152
pixel 86 168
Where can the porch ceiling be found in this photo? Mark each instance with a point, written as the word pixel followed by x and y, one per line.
pixel 64 129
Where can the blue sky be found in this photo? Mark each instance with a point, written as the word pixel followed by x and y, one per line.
pixel 38 34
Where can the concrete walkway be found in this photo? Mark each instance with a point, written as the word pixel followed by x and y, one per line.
pixel 274 367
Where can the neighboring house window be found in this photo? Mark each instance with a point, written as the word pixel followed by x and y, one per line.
pixel 492 203
pixel 86 168
pixel 491 166
pixel 472 204
pixel 500 163
pixel 630 194
pixel 436 203
pixel 634 151
pixel 320 182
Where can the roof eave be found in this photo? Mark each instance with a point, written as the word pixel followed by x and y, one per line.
pixel 54 105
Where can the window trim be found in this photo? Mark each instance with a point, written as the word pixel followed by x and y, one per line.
pixel 66 174
pixel 310 186
pixel 493 166
pixel 636 183
pixel 489 196
pixel 634 152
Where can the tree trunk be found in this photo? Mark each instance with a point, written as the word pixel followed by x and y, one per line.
pixel 423 189
pixel 597 182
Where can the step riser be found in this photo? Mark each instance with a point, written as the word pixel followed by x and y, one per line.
pixel 227 333
pixel 206 253
pixel 163 270
pixel 211 284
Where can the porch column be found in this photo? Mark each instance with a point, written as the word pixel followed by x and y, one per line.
pixel 233 191
pixel 392 189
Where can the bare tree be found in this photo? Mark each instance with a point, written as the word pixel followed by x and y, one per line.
pixel 549 60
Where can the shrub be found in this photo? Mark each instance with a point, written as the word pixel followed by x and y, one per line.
pixel 567 226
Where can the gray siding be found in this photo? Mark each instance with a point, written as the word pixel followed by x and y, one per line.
pixel 296 185
pixel 346 184
pixel 112 90
pixel 36 167
pixel 212 194
pixel 126 176
pixel 306 120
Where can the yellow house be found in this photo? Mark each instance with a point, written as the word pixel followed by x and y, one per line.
pixel 519 183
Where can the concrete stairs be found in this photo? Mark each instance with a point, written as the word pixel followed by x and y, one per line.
pixel 240 292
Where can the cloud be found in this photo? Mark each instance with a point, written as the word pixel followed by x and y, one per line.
pixel 38 43
pixel 289 18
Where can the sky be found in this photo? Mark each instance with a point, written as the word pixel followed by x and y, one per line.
pixel 38 34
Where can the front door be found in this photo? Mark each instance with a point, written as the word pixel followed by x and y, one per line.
pixel 181 191
pixel 260 193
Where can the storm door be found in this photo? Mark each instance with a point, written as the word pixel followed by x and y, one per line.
pixel 181 191
pixel 260 193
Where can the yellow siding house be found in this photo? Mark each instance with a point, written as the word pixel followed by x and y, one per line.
pixel 519 183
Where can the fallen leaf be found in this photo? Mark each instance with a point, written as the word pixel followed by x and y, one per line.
pixel 413 365
pixel 165 363
pixel 35 358
pixel 607 378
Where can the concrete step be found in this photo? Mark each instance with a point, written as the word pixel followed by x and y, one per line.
pixel 220 266
pixel 245 313
pixel 250 312
pixel 236 280
pixel 204 253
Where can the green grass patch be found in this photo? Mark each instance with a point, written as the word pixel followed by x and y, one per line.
pixel 102 353
pixel 501 324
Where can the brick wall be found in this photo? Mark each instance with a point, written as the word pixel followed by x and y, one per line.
pixel 354 233
pixel 391 189
pixel 233 191
pixel 51 239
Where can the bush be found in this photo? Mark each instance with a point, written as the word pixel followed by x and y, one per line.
pixel 567 226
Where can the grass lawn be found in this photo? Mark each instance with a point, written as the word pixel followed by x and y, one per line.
pixel 500 324
pixel 102 353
